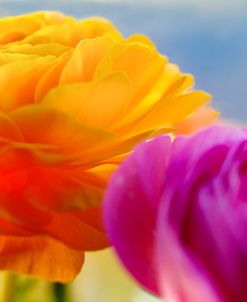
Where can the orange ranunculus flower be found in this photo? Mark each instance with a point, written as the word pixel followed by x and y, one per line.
pixel 76 96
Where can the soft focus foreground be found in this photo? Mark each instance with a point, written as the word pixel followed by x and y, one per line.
pixel 176 214
pixel 76 96
pixel 102 279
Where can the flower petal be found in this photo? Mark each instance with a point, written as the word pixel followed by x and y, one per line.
pixel 97 27
pixel 142 64
pixel 140 38
pixel 25 75
pixel 168 112
pixel 76 233
pixel 51 77
pixel 161 90
pixel 97 104
pixel 202 117
pixel 44 49
pixel 180 277
pixel 40 256
pixel 16 28
pixel 61 190
pixel 8 129
pixel 119 147
pixel 63 132
pixel 67 33
pixel 85 58
pixel 131 204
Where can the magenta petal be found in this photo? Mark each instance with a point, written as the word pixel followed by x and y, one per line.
pixel 181 277
pixel 131 204
pixel 187 150
pixel 196 246
pixel 176 214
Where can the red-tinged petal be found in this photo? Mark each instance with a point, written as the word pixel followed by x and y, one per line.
pixel 13 203
pixel 40 256
pixel 8 129
pixel 76 233
pixel 61 190
pixel 131 204
pixel 92 217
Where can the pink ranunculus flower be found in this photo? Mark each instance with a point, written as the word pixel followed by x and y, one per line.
pixel 176 213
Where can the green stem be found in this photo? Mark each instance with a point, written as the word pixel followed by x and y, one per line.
pixel 61 292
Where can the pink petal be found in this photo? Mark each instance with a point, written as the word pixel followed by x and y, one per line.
pixel 131 204
pixel 181 278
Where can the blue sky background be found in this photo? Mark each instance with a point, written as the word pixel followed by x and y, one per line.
pixel 206 38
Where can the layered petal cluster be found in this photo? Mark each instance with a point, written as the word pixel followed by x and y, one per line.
pixel 76 96
pixel 176 214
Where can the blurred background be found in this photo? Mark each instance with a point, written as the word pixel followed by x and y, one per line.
pixel 207 38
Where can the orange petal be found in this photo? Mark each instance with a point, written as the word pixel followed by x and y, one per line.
pixel 70 32
pixel 14 206
pixel 171 83
pixel 8 129
pixel 66 33
pixel 40 256
pixel 95 27
pixel 51 77
pixel 140 38
pixel 142 64
pixel 25 76
pixel 65 190
pixel 64 133
pixel 84 60
pixel 119 146
pixel 44 49
pixel 97 104
pixel 75 233
pixel 170 111
pixel 6 57
pixel 18 156
pixel 16 28
pixel 12 229
pixel 202 117
pixel 179 86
